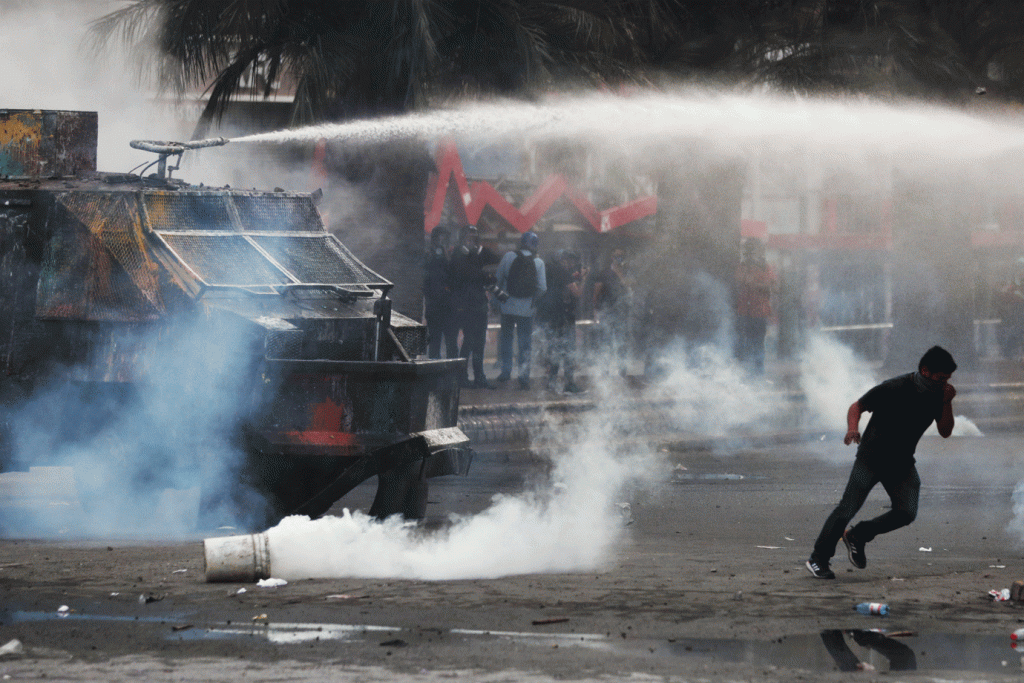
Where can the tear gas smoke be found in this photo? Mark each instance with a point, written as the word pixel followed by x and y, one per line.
pixel 832 377
pixel 144 458
pixel 569 523
pixel 709 392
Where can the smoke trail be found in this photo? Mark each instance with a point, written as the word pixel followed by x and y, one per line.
pixel 569 523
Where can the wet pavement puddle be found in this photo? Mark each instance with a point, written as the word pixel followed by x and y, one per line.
pixel 686 476
pixel 287 634
pixel 829 650
pixel 859 649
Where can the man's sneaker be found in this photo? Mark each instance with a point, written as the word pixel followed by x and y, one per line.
pixel 856 550
pixel 820 570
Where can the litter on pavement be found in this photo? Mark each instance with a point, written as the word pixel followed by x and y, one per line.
pixel 11 648
pixel 271 583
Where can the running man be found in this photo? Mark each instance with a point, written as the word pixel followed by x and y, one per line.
pixel 901 408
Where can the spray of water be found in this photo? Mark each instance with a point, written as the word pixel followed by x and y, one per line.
pixel 733 122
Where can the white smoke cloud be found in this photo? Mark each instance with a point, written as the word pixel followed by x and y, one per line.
pixel 710 393
pixel 571 522
pixel 832 377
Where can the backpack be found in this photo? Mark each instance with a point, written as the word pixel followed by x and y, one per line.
pixel 522 276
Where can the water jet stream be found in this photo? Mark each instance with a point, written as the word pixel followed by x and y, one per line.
pixel 727 120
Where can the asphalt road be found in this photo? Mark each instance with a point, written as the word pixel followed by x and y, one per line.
pixel 706 582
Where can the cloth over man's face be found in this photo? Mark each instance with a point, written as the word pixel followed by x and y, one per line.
pixel 927 380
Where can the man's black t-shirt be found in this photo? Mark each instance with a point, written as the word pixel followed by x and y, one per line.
pixel 900 414
pixel 613 289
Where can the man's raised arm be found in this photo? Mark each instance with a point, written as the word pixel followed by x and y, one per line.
pixel 946 420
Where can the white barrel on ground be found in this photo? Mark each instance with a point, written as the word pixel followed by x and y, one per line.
pixel 237 559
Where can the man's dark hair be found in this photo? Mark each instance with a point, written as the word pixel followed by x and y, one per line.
pixel 937 359
pixel 439 235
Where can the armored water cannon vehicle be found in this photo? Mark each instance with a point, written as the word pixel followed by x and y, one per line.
pixel 111 280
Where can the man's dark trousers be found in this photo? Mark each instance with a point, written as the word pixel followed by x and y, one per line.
pixel 473 324
pixel 442 325
pixel 903 490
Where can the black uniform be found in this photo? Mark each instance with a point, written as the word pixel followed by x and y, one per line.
pixel 469 280
pixel 437 302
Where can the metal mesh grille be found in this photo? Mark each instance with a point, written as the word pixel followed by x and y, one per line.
pixel 96 266
pixel 188 211
pixel 412 339
pixel 182 218
pixel 225 260
pixel 316 260
pixel 117 222
pixel 277 213
pixel 284 344
pixel 337 339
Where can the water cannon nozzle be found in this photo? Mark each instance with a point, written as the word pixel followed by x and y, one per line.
pixel 169 148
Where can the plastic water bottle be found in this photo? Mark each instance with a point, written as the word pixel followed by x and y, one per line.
pixel 879 608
